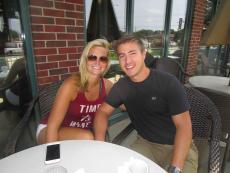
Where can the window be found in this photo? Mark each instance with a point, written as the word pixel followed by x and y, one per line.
pixel 119 9
pixel 177 28
pixel 149 21
pixel 213 59
pixel 149 24
pixel 14 86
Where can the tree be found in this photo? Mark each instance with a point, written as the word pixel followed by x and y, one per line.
pixel 13 35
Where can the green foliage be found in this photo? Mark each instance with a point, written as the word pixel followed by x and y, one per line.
pixel 13 34
pixel 112 55
pixel 178 37
pixel 144 33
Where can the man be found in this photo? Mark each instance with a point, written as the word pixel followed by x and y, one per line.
pixel 158 109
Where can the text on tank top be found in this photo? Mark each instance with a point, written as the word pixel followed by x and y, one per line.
pixel 81 111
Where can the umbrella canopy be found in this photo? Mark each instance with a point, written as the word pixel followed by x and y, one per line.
pixel 102 21
pixel 218 32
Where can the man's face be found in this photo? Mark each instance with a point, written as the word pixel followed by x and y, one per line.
pixel 131 59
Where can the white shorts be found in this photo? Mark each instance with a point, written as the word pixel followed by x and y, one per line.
pixel 40 128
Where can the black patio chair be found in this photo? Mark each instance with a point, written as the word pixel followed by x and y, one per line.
pixel 170 65
pixel 45 100
pixel 222 102
pixel 206 125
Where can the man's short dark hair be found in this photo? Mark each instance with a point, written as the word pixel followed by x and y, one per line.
pixel 127 39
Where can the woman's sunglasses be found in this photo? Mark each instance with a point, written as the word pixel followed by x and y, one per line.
pixel 103 59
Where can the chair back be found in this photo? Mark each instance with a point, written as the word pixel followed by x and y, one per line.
pixel 168 65
pixel 222 102
pixel 47 96
pixel 172 66
pixel 206 124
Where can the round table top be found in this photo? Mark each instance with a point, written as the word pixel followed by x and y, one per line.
pixel 216 83
pixel 77 156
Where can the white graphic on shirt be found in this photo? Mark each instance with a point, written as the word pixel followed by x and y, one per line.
pixel 154 98
pixel 86 120
pixel 89 108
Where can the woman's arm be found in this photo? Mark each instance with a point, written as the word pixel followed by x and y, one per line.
pixel 66 93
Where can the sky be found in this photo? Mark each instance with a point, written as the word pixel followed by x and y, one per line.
pixel 148 14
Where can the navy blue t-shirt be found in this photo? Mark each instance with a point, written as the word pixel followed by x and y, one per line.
pixel 151 103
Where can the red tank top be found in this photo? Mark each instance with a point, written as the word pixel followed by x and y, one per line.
pixel 81 111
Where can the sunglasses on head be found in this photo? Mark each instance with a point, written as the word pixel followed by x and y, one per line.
pixel 103 59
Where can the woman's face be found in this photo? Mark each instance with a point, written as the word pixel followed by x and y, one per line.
pixel 97 60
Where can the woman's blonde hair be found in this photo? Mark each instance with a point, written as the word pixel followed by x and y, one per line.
pixel 84 75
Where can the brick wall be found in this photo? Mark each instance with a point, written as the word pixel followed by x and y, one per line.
pixel 58 37
pixel 194 43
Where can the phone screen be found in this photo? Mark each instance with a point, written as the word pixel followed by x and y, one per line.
pixel 53 153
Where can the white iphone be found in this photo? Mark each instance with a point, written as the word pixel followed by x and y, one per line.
pixel 52 153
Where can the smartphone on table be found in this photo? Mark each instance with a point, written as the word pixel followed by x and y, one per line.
pixel 52 153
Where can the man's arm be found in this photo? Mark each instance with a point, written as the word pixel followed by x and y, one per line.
pixel 183 138
pixel 101 121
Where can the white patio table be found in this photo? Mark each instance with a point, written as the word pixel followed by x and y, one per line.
pixel 216 83
pixel 77 156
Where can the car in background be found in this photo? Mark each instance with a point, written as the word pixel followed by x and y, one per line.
pixel 13 48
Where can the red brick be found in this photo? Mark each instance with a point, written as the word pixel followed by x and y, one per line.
pixel 45 51
pixel 42 20
pixel 67 63
pixel 71 29
pixel 80 49
pixel 41 3
pixel 67 50
pixel 74 56
pixel 54 13
pixel 55 44
pixel 64 6
pixel 75 15
pixel 37 28
pixel 58 71
pixel 47 80
pixel 80 29
pixel 64 76
pixel 40 59
pixel 43 36
pixel 75 43
pixel 73 69
pixel 35 11
pixel 54 28
pixel 66 36
pixel 64 21
pixel 80 22
pixel 37 44
pixel 44 66
pixel 80 36
pixel 42 73
pixel 79 7
pixel 75 1
pixel 56 57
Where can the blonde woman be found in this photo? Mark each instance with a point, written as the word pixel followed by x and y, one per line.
pixel 78 98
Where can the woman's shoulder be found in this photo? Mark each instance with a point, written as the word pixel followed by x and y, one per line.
pixel 72 82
